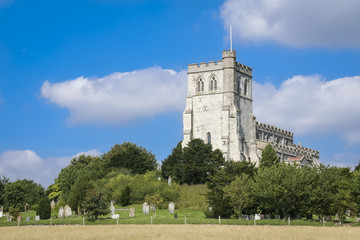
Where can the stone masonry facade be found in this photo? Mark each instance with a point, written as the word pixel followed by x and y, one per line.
pixel 219 110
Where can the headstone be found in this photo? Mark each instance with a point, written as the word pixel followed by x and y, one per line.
pixel 26 207
pixel 245 217
pixel 52 204
pixel 1 214
pixel 146 208
pixel 9 219
pixel 67 211
pixel 112 209
pixel 132 212
pixel 169 181
pixel 262 216
pixel 277 216
pixel 267 216
pixel 37 218
pixel 257 217
pixel 252 217
pixel 171 208
pixel 61 212
pixel 152 208
pixel 115 216
pixel 28 219
pixel 210 209
pixel 1 208
pixel 337 217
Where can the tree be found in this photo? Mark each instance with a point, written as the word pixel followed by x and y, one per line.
pixel 20 192
pixel 194 163
pixel 219 201
pixel 269 157
pixel 239 193
pixel 78 191
pixel 125 196
pixel 129 155
pixel 170 166
pixel 43 208
pixel 95 204
pixel 3 181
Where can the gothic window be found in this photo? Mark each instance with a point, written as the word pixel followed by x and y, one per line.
pixel 208 136
pixel 200 85
pixel 246 87
pixel 213 83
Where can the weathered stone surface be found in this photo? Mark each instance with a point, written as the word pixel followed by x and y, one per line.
pixel 112 209
pixel 37 218
pixel 1 214
pixel 61 212
pixel 171 208
pixel 152 208
pixel 132 212
pixel 67 211
pixel 28 219
pixel 146 208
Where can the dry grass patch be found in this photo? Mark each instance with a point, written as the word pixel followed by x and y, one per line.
pixel 180 232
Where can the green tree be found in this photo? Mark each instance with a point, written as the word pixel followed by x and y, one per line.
pixel 269 157
pixel 95 204
pixel 194 163
pixel 171 165
pixel 53 191
pixel 239 193
pixel 14 212
pixel 125 196
pixel 3 181
pixel 43 208
pixel 219 201
pixel 129 155
pixel 78 191
pixel 20 192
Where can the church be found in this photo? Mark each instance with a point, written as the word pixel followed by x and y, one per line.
pixel 219 110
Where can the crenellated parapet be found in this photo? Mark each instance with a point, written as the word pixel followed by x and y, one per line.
pixel 296 150
pixel 205 66
pixel 244 69
pixel 269 133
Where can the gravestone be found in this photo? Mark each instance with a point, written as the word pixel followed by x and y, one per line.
pixel 277 216
pixel 28 219
pixel 146 208
pixel 267 216
pixel 37 218
pixel 169 181
pixel 52 204
pixel 245 217
pixel 26 207
pixel 61 212
pixel 257 217
pixel 19 218
pixel 252 217
pixel 115 216
pixel 9 219
pixel 262 216
pixel 1 214
pixel 67 211
pixel 171 208
pixel 1 208
pixel 152 208
pixel 132 212
pixel 112 209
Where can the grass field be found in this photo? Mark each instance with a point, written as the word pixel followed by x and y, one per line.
pixel 182 232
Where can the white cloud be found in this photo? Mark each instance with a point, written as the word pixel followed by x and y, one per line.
pixel 26 164
pixel 345 160
pixel 298 23
pixel 119 97
pixel 307 104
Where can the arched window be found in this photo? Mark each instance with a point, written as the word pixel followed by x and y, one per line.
pixel 208 136
pixel 213 83
pixel 246 87
pixel 200 85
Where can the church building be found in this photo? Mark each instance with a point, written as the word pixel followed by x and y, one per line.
pixel 219 110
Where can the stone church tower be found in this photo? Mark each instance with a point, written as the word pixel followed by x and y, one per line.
pixel 219 111
pixel 219 107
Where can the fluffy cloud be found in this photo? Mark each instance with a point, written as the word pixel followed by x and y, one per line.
pixel 324 23
pixel 119 97
pixel 310 104
pixel 20 164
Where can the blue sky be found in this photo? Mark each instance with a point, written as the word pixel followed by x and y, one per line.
pixel 79 76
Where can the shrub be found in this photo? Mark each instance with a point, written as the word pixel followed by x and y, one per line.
pixel 44 208
pixel 14 212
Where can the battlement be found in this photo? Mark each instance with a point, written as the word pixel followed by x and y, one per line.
pixel 228 53
pixel 205 66
pixel 274 130
pixel 296 150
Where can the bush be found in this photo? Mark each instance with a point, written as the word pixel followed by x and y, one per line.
pixel 14 212
pixel 44 208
